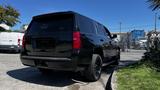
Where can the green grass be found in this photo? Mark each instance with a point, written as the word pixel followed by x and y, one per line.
pixel 138 77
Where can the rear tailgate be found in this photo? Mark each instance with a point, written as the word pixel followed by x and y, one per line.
pixel 50 36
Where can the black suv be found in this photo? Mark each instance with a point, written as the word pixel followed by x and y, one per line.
pixel 69 41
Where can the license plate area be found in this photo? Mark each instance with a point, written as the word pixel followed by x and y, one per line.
pixel 45 44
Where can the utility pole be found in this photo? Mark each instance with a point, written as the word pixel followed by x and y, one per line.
pixel 120 27
pixel 121 38
pixel 155 24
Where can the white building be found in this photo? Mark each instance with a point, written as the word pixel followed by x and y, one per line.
pixel 120 35
pixel 4 26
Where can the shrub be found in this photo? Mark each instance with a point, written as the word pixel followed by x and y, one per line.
pixel 152 58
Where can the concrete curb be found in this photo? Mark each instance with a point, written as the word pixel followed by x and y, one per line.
pixel 114 80
pixel 114 77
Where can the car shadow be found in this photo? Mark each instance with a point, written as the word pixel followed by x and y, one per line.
pixel 58 79
pixel 108 69
pixel 32 75
pixel 8 52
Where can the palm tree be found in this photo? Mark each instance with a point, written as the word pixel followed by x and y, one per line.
pixel 8 15
pixel 154 4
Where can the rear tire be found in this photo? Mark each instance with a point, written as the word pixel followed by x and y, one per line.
pixel 93 72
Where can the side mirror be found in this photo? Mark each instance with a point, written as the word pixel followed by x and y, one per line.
pixel 114 36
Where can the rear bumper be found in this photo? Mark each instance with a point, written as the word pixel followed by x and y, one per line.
pixel 65 64
pixel 10 47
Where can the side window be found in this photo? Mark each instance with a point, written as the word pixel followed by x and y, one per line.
pixel 85 25
pixel 107 32
pixel 104 31
pixel 100 30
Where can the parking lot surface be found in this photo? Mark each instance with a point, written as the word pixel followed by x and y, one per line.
pixel 15 76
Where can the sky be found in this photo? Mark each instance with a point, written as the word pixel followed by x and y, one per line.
pixel 133 14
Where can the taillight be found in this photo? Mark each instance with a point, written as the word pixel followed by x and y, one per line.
pixel 76 40
pixel 23 42
pixel 19 42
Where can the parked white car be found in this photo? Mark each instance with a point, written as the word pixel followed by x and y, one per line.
pixel 142 42
pixel 11 41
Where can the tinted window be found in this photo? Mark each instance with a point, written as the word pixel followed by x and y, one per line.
pixel 107 32
pixel 85 25
pixel 59 23
pixel 101 30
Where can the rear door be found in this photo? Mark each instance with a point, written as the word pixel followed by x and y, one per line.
pixel 112 48
pixel 50 36
pixel 105 42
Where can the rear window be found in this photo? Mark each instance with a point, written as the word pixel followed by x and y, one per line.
pixel 52 24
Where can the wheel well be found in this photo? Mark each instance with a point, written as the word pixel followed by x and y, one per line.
pixel 99 51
